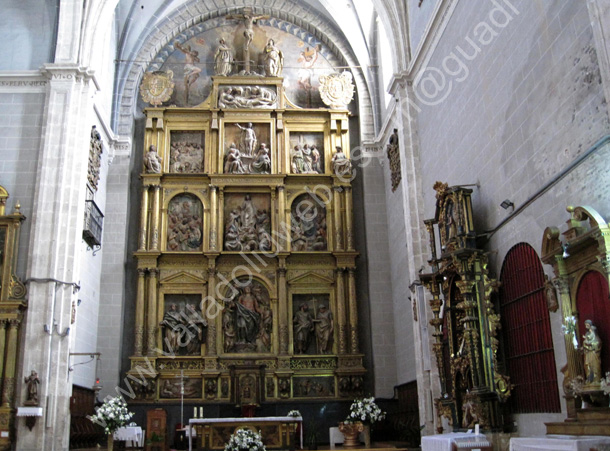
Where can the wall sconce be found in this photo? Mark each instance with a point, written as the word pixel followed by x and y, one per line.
pixel 507 203
pixel 49 330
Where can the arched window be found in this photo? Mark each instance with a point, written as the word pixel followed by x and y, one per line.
pixel 592 303
pixel 526 329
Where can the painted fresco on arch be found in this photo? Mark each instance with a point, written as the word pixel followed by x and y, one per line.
pixel 191 58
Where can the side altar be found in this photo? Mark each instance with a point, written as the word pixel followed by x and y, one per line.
pixel 246 289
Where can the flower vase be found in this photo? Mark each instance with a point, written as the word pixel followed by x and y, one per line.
pixel 350 432
pixel 367 435
pixel 111 441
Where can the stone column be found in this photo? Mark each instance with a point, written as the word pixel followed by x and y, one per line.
pixel 353 311
pixel 337 215
pixel 143 220
pixel 8 388
pixel 213 218
pixel 140 301
pixel 349 219
pixel 155 218
pixel 282 308
pixel 151 332
pixel 341 311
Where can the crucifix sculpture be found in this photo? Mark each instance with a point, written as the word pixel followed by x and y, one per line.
pixel 248 18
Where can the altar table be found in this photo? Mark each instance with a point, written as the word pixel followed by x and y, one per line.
pixel 130 434
pixel 446 442
pixel 558 443
pixel 214 433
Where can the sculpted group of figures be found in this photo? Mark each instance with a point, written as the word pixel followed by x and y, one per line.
pixel 248 228
pixel 185 224
pixel 247 159
pixel 308 229
pixel 186 157
pixel 246 97
pixel 306 327
pixel 184 330
pixel 272 59
pixel 247 321
pixel 306 160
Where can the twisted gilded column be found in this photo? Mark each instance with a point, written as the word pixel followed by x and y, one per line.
pixel 152 311
pixel 353 311
pixel 337 215
pixel 283 310
pixel 155 218
pixel 471 330
pixel 140 301
pixel 8 388
pixel 341 317
pixel 143 220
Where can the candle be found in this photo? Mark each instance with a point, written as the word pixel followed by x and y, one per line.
pixel 195 413
pixel 201 412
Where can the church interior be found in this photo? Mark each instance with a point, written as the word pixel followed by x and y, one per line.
pixel 255 216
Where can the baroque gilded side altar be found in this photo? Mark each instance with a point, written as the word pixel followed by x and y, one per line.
pixel 246 289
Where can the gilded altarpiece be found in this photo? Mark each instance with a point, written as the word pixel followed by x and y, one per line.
pixel 246 289
pixel 466 322
pixel 12 307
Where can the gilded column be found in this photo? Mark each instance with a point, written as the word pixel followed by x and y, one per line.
pixel 8 388
pixel 283 227
pixel 471 331
pixel 221 220
pixel 341 317
pixel 213 218
pixel 152 312
pixel 211 332
pixel 283 308
pixel 353 311
pixel 143 219
pixel 349 218
pixel 337 215
pixel 140 300
pixel 155 218
pixel 3 323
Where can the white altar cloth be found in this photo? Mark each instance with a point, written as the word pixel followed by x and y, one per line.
pixel 557 443
pixel 442 442
pixel 194 421
pixel 130 434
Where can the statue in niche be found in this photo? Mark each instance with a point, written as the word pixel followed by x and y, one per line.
pixel 315 160
pixel 324 326
pixel 592 347
pixel 184 330
pixel 223 59
pixel 248 229
pixel 273 59
pixel 248 138
pixel 196 326
pixel 341 165
pixel 152 160
pixel 233 163
pixel 450 221
pixel 32 382
pixel 185 224
pixel 262 161
pixel 308 225
pixel 246 97
pixel 95 158
pixel 551 295
pixel 394 158
pixel 248 319
pixel 186 157
pixel 303 327
pixel 301 160
pixel 172 326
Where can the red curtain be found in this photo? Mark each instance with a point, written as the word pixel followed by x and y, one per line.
pixel 592 303
pixel 526 328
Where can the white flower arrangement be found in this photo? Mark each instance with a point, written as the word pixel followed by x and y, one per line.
pixel 111 415
pixel 365 410
pixel 294 413
pixel 569 327
pixel 245 440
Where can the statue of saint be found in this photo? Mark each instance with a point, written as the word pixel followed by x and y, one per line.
pixel 223 59
pixel 273 59
pixel 303 326
pixel 172 322
pixel 233 163
pixel 592 347
pixel 32 382
pixel 341 165
pixel 324 329
pixel 262 162
pixel 248 138
pixel 247 317
pixel 152 160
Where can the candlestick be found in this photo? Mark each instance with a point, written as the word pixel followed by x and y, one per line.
pixel 195 413
pixel 201 412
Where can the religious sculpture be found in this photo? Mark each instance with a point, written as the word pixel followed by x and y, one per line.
pixel 394 158
pixel 301 162
pixel 152 160
pixel 341 165
pixel 303 327
pixel 191 71
pixel 95 158
pixel 32 382
pixel 171 324
pixel 186 157
pixel 246 97
pixel 262 161
pixel 592 347
pixel 248 228
pixel 248 18
pixel 223 59
pixel 308 225
pixel 248 138
pixel 232 161
pixel 324 329
pixel 184 224
pixel 184 331
pixel 273 59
